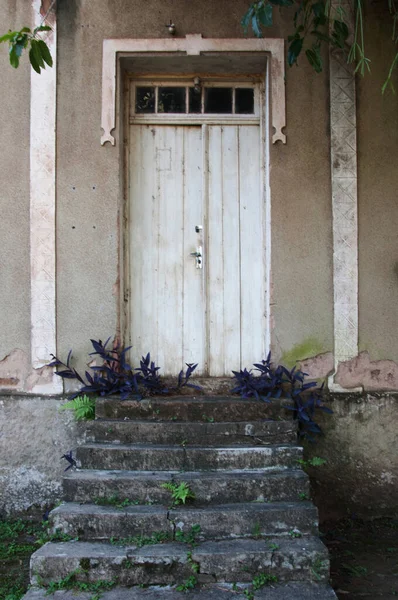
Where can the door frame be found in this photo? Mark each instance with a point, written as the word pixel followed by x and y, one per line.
pixel 260 118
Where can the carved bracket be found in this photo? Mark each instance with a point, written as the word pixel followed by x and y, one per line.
pixel 192 45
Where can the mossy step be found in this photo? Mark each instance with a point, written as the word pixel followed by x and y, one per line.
pixel 172 563
pixel 205 433
pixel 282 591
pixel 139 457
pixel 180 408
pixel 211 487
pixel 92 522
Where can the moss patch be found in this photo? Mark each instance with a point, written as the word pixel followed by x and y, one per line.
pixel 307 349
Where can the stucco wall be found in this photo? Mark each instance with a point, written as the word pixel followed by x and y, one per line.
pixel 14 197
pixel 377 187
pixel 90 193
pixel 359 444
pixel 33 437
pixel 90 190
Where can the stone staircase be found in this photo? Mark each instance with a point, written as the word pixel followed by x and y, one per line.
pixel 250 532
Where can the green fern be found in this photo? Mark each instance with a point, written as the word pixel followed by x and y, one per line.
pixel 83 407
pixel 180 492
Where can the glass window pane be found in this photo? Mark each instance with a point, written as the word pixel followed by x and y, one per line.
pixel 244 101
pixel 145 100
pixel 195 100
pixel 218 100
pixel 171 100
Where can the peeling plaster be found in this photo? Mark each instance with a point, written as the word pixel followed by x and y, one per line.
pixel 378 375
pixel 318 367
pixel 17 374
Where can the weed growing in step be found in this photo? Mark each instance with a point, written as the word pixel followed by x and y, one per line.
pixel 267 382
pixel 256 531
pixel 116 376
pixel 317 568
pixel 158 537
pixel 259 581
pixel 303 496
pixel 194 565
pixel 18 540
pixel 70 582
pixel 187 585
pixel 262 579
pixel 82 406
pixel 180 492
pixel 118 502
pixel 316 461
pixel 272 546
pixel 295 533
pixel 208 419
pixel 190 537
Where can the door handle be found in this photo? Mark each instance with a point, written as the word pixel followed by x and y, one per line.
pixel 198 256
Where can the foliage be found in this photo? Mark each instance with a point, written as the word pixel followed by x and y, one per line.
pixel 115 501
pixel 192 563
pixel 18 540
pixel 263 579
pixel 18 41
pixel 116 376
pixel 83 407
pixel 267 382
pixel 318 22
pixel 158 537
pixel 190 537
pixel 71 582
pixel 315 461
pixel 189 584
pixel 180 492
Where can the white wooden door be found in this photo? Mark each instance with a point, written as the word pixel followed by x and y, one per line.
pixel 197 186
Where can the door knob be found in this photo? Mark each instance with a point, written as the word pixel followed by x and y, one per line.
pixel 198 256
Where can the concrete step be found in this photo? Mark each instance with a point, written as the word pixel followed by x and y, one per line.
pixel 138 457
pixel 92 522
pixel 249 433
pixel 143 487
pixel 294 590
pixel 171 563
pixel 180 408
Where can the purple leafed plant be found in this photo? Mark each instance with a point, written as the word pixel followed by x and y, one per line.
pixel 266 382
pixel 116 376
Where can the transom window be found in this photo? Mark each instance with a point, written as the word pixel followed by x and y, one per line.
pixel 195 99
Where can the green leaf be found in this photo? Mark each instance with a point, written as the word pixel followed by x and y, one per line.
pixel 264 15
pixel 256 26
pixel 42 28
pixel 19 49
pixel 14 58
pixel 33 61
pixel 314 58
pixel 45 52
pixel 83 407
pixel 340 33
pixel 319 9
pixel 25 30
pixel 8 36
pixel 321 36
pixel 245 22
pixel 37 52
pixel 294 50
pixel 282 2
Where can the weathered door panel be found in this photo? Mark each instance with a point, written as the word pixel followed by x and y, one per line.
pixel 182 177
pixel 167 304
pixel 236 249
